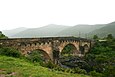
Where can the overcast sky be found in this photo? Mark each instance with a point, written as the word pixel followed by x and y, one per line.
pixel 37 13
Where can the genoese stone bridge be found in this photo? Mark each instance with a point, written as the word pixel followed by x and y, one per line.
pixel 49 45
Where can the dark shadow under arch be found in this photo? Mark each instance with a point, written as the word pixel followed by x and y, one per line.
pixel 84 49
pixel 81 48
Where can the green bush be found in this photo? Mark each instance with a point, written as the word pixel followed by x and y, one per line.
pixel 79 71
pixel 35 56
pixel 2 36
pixel 95 74
pixel 109 71
pixel 51 65
pixel 7 51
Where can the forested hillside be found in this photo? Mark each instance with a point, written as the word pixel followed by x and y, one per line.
pixel 53 30
pixel 104 31
pixel 11 32
pixel 79 30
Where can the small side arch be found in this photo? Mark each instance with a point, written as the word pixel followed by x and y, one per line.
pixel 70 49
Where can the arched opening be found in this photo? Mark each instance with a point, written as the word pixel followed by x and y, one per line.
pixel 38 55
pixel 69 55
pixel 69 50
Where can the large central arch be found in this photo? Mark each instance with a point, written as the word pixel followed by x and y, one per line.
pixel 42 53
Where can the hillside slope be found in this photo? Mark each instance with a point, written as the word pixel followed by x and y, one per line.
pixel 104 31
pixel 46 31
pixel 53 30
pixel 82 29
pixel 14 67
pixel 12 32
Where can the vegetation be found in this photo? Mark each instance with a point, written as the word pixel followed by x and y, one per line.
pixel 15 67
pixel 104 31
pixel 13 64
pixel 68 50
pixel 99 62
pixel 10 52
pixel 35 56
pixel 2 35
pixel 95 37
pixel 110 36
pixel 101 59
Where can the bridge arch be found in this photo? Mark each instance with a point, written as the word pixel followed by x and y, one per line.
pixel 74 45
pixel 43 54
pixel 72 48
pixel 64 43
pixel 45 48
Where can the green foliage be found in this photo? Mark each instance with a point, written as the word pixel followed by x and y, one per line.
pixel 67 51
pixel 79 71
pixel 10 52
pixel 110 71
pixel 102 59
pixel 15 67
pixel 109 36
pixel 95 74
pixel 105 30
pixel 95 37
pixel 48 64
pixel 99 62
pixel 35 56
pixel 2 36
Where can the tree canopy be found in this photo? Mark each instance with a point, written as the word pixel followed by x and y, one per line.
pixel 2 35
pixel 95 37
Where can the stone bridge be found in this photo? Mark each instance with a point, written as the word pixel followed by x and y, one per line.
pixel 48 45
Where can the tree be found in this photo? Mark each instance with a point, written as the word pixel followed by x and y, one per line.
pixel 109 36
pixel 36 56
pixel 7 51
pixel 2 35
pixel 95 37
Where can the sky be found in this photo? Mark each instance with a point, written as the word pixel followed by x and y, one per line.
pixel 38 13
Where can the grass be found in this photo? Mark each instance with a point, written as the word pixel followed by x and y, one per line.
pixel 15 67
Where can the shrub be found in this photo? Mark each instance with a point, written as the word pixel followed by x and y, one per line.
pixel 109 71
pixel 49 64
pixel 79 71
pixel 35 56
pixel 7 51
pixel 95 74
pixel 2 36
